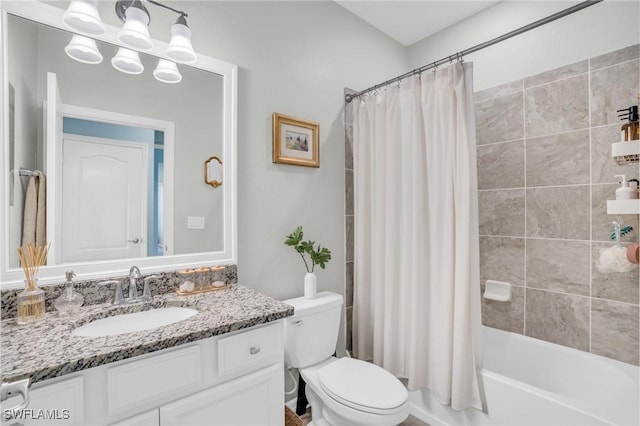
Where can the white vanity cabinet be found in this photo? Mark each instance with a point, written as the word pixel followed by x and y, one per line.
pixel 232 379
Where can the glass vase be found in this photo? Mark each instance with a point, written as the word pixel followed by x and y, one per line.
pixel 30 303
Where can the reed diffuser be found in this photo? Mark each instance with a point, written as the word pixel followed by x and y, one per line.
pixel 31 301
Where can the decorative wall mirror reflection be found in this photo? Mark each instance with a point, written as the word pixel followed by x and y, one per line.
pixel 66 118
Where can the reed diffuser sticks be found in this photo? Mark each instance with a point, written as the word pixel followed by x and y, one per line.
pixel 31 302
pixel 31 258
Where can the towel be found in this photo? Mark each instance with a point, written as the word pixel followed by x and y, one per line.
pixel 35 211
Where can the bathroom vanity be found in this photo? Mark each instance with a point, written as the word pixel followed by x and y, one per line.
pixel 222 366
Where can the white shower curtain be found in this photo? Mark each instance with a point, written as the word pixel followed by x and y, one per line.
pixel 417 286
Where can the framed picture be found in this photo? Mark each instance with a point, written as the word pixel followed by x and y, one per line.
pixel 295 141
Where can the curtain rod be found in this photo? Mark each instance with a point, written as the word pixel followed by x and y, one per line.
pixel 348 98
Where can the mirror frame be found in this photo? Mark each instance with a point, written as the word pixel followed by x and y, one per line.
pixel 13 277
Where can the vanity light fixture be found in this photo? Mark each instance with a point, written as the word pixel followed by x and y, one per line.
pixel 180 48
pixel 83 49
pixel 127 61
pixel 82 16
pixel 167 72
pixel 135 32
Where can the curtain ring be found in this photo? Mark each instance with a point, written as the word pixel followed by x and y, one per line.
pixel 435 68
pixel 460 58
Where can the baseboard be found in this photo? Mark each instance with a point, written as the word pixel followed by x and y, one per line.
pixel 420 413
pixel 292 404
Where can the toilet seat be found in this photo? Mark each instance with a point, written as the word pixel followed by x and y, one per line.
pixel 362 386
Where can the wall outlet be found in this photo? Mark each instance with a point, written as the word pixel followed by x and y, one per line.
pixel 195 222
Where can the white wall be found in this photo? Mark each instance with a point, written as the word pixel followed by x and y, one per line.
pixel 294 58
pixel 598 29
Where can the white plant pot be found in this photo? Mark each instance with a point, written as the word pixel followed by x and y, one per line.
pixel 310 285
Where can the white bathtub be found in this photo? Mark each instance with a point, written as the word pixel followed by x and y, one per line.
pixel 531 382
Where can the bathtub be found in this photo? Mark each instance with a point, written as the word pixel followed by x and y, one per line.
pixel 532 382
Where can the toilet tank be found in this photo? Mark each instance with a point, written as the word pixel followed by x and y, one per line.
pixel 311 333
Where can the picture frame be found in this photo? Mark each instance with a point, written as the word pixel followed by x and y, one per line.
pixel 295 141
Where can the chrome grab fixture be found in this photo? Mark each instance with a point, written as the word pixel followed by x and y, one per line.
pixel 134 277
pixel 9 390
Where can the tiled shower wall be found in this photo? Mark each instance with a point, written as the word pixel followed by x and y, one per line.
pixel 544 174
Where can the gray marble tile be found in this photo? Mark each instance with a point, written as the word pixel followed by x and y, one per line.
pixel 499 119
pixel 613 88
pixel 500 90
pixel 348 190
pixel 348 132
pixel 507 316
pixel 349 284
pixel 501 212
pixel 560 159
pixel 558 318
pixel 558 212
pixel 603 166
pixel 614 330
pixel 619 286
pixel 615 57
pixel 501 165
pixel 349 330
pixel 502 259
pixel 557 107
pixel 601 226
pixel 567 71
pixel 559 265
pixel 348 146
pixel 350 238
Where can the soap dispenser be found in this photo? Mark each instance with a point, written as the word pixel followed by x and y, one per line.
pixel 70 301
pixel 625 192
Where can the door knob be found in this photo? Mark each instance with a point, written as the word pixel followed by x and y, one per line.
pixel 135 240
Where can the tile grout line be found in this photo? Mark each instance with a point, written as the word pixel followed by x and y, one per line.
pixel 590 200
pixel 524 278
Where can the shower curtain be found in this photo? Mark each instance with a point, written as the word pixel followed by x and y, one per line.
pixel 417 286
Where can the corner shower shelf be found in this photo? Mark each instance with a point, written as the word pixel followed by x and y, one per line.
pixel 623 206
pixel 626 152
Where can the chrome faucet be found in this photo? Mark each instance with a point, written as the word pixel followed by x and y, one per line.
pixel 134 276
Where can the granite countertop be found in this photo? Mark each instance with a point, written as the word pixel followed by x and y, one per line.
pixel 47 349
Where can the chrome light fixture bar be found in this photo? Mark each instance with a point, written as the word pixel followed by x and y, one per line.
pixel 82 16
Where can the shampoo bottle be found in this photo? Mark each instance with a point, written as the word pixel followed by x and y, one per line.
pixel 625 192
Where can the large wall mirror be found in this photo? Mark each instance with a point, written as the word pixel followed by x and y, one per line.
pixel 122 154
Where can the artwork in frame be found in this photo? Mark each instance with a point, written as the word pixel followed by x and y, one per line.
pixel 295 141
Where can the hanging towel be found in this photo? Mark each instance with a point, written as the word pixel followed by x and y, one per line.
pixel 35 211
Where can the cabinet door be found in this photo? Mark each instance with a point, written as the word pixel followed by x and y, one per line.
pixel 59 403
pixel 150 418
pixel 254 399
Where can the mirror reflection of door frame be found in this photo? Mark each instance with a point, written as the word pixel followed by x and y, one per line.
pixel 83 113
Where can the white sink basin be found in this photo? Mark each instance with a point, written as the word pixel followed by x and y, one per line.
pixel 137 321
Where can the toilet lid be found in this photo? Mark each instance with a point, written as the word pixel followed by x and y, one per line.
pixel 362 385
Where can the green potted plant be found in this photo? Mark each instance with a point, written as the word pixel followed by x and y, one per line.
pixel 319 256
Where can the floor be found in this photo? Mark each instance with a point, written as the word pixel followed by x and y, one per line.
pixel 411 421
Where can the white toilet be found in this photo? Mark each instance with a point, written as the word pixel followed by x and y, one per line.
pixel 343 391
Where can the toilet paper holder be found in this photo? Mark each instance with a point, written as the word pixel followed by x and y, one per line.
pixel 497 290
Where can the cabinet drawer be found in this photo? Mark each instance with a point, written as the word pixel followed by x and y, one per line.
pixel 150 379
pixel 250 350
